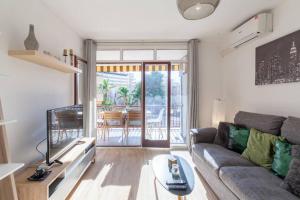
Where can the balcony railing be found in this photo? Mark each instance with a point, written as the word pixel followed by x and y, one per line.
pixel 156 130
pixel 152 112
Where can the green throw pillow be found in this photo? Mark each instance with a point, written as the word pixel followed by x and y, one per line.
pixel 238 138
pixel 282 157
pixel 260 148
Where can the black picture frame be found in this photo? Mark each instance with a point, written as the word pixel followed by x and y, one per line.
pixel 278 61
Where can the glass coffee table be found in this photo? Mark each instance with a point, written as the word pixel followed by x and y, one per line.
pixel 162 173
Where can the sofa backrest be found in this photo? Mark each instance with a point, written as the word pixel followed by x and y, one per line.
pixel 291 130
pixel 265 123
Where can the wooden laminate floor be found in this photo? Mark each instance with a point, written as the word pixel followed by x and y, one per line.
pixel 125 174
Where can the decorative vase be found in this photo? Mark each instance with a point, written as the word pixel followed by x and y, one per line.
pixel 31 43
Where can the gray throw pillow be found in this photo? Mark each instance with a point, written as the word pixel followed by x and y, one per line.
pixel 222 137
pixel 296 151
pixel 292 181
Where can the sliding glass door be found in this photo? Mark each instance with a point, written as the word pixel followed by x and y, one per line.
pixel 119 111
pixel 156 104
pixel 148 87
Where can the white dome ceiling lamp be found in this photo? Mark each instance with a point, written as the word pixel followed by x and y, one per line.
pixel 197 9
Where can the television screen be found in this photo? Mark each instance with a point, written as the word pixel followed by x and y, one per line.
pixel 64 127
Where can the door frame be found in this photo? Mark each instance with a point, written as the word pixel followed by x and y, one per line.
pixel 156 143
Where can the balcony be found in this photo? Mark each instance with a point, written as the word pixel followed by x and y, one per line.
pixel 156 126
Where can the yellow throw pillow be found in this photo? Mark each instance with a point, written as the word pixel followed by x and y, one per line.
pixel 260 148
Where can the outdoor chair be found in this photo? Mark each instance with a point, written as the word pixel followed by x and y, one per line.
pixel 133 120
pixel 113 120
pixel 156 123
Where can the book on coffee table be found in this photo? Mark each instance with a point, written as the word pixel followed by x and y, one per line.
pixel 176 182
pixel 177 187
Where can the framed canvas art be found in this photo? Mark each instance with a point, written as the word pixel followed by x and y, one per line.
pixel 278 61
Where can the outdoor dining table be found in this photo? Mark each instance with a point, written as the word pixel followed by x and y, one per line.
pixel 100 118
pixel 124 112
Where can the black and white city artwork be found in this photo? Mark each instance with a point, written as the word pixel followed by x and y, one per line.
pixel 278 61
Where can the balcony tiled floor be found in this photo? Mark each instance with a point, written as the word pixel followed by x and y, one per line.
pixel 134 138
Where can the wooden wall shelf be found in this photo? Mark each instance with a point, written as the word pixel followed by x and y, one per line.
pixel 8 169
pixel 43 60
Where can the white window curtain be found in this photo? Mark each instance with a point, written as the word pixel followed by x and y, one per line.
pixel 89 100
pixel 193 88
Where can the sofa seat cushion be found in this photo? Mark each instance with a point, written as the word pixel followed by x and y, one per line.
pixel 254 183
pixel 217 156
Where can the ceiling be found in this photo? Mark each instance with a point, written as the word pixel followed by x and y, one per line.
pixel 150 19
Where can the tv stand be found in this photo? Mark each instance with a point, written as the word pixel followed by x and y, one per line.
pixel 62 179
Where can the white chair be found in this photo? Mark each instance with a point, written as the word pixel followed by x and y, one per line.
pixel 156 123
pixel 134 119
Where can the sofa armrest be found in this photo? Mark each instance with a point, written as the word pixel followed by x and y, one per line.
pixel 203 135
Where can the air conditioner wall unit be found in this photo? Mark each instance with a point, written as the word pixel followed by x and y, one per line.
pixel 257 26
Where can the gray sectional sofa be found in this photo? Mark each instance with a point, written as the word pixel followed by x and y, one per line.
pixel 233 177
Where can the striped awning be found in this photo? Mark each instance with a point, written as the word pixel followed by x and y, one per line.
pixel 135 67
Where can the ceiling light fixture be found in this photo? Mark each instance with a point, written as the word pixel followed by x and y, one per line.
pixel 197 9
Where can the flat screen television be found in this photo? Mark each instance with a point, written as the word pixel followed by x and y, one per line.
pixel 64 129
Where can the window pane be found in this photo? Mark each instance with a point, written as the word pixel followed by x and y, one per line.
pixel 108 55
pixel 172 55
pixel 138 55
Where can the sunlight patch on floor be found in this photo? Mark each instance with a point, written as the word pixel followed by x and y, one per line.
pixel 103 173
pixel 88 186
pixel 126 174
pixel 145 184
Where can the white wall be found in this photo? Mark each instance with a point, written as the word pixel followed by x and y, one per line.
pixel 29 90
pixel 238 73
pixel 209 78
